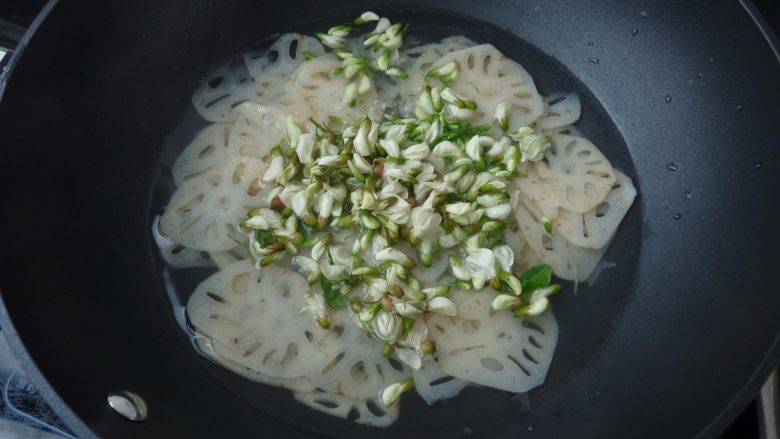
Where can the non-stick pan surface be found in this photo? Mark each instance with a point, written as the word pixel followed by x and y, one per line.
pixel 671 342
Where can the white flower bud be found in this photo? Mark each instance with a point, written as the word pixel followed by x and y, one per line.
pixel 391 147
pixel 305 147
pixel 536 308
pixel 275 169
pixel 406 309
pixel 387 326
pixel 442 305
pixel 447 241
pixel 332 41
pixel 499 147
pixel 416 152
pixel 361 142
pixel 459 113
pixel 504 301
pixel 501 211
pixel 382 25
pixel 392 393
pixel 391 255
pixel 365 17
pixel 460 208
pixel 300 204
pixel 504 256
pixel 433 132
pixel 533 147
pixel 502 113
pixel 474 149
pixel 364 86
pixel 447 149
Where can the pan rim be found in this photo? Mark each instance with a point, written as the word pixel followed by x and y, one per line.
pixel 725 417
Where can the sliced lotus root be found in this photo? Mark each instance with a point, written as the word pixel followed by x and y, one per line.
pixel 420 59
pixel 346 360
pixel 223 90
pixel 434 385
pixel 595 228
pixel 205 152
pixel 544 195
pixel 258 129
pixel 567 260
pixel 494 348
pixel 368 411
pixel 252 317
pixel 577 173
pixel 524 255
pixel 488 78
pixel 204 213
pixel 226 258
pixel 299 384
pixel 282 57
pixel 560 110
pixel 325 92
pixel 177 255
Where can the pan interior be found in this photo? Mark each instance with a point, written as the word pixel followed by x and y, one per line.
pixel 585 313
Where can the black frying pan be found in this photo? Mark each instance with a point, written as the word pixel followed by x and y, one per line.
pixel 672 342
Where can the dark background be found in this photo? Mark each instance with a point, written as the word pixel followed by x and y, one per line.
pixel 22 12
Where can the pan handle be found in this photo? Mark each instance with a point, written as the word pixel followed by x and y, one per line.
pixel 769 410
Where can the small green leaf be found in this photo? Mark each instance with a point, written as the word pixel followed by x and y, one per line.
pixel 337 120
pixel 308 55
pixel 408 324
pixel 333 296
pixel 264 237
pixel 535 278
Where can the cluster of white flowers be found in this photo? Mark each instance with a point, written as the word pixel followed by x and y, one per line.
pixel 359 205
pixel 384 41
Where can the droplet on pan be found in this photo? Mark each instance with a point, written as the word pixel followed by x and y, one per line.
pixel 668 99
pixel 739 107
pixel 688 194
pixel 634 31
pixel 758 166
pixel 698 76
pixel 677 216
pixel 593 60
pixel 590 43
pixel 643 14
pixel 672 166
